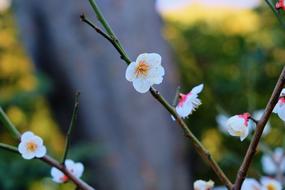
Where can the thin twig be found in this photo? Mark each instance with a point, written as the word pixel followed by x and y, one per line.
pixel 202 151
pixel 253 119
pixel 106 36
pixel 9 125
pixel 71 126
pixel 52 162
pixel 175 99
pixel 259 129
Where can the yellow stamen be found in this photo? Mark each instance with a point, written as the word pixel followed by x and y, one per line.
pixel 142 69
pixel 270 187
pixel 31 146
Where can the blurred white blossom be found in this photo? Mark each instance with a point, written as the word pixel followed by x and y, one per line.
pixel 75 168
pixel 272 163
pixel 31 146
pixel 279 108
pixel 4 5
pixel 203 185
pixel 270 184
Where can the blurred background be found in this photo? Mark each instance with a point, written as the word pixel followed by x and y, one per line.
pixel 126 140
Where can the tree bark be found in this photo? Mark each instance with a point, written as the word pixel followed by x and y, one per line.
pixel 142 149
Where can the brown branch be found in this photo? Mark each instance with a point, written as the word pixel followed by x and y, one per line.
pixel 202 151
pixel 259 129
pixel 52 162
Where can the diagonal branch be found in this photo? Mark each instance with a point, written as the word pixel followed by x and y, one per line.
pixel 259 129
pixel 52 162
pixel 202 151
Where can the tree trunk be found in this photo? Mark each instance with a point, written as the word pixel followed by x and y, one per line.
pixel 142 149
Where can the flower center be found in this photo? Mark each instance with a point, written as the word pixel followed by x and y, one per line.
pixel 270 187
pixel 142 69
pixel 31 146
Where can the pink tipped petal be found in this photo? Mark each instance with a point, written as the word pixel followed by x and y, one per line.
pixel 57 175
pixel 197 89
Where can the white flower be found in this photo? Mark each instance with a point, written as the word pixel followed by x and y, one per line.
pixel 203 185
pixel 188 103
pixel 75 168
pixel 279 108
pixel 270 184
pixel 4 5
pixel 222 120
pixel 272 163
pixel 239 125
pixel 250 184
pixel 257 115
pixel 145 72
pixel 31 146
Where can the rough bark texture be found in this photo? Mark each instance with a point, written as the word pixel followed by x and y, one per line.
pixel 143 149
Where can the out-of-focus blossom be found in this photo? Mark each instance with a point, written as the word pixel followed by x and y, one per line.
pixel 270 184
pixel 250 184
pixel 203 185
pixel 4 5
pixel 145 71
pixel 239 125
pixel 279 108
pixel 257 115
pixel 272 163
pixel 280 5
pixel 222 120
pixel 188 103
pixel 31 146
pixel 75 168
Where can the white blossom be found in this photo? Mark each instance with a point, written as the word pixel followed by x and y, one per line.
pixel 203 185
pixel 75 168
pixel 270 184
pixel 272 163
pixel 145 71
pixel 31 146
pixel 239 125
pixel 4 5
pixel 250 184
pixel 188 103
pixel 279 108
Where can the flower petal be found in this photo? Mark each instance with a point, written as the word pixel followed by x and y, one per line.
pixel 153 59
pixel 27 136
pixel 130 72
pixel 141 85
pixel 197 89
pixel 41 152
